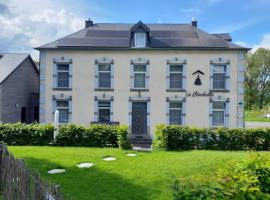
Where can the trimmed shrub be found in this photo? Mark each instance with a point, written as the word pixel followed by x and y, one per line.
pixel 98 135
pixel 30 134
pixel 174 137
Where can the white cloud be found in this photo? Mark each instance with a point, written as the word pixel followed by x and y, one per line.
pixel 24 28
pixel 265 43
pixel 242 43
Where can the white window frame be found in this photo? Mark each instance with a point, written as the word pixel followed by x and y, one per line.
pixel 180 72
pixel 139 72
pixel 181 110
pixel 136 36
pixel 219 110
pixel 62 71
pixel 63 108
pixel 104 108
pixel 105 72
pixel 224 73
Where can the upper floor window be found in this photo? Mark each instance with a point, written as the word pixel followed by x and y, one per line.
pixel 175 112
pixel 218 118
pixel 104 71
pixel 139 76
pixel 104 111
pixel 63 75
pixel 63 107
pixel 176 76
pixel 140 40
pixel 219 77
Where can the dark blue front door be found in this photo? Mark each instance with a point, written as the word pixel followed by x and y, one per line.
pixel 139 117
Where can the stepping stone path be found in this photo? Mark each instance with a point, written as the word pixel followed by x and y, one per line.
pixel 85 165
pixel 56 171
pixel 131 154
pixel 109 159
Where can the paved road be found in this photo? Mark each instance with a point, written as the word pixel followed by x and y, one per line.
pixel 257 124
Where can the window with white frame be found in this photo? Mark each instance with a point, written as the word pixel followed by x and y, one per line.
pixel 63 108
pixel 219 77
pixel 175 112
pixel 176 76
pixel 218 118
pixel 140 40
pixel 104 110
pixel 139 76
pixel 104 75
pixel 63 75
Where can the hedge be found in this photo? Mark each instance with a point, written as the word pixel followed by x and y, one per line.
pixel 173 137
pixel 98 135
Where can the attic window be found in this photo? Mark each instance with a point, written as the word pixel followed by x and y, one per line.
pixel 140 40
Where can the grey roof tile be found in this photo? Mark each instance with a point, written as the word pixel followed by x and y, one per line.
pixel 115 35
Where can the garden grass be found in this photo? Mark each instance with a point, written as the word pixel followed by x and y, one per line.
pixel 149 175
pixel 256 116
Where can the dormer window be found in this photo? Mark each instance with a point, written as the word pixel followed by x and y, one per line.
pixel 140 40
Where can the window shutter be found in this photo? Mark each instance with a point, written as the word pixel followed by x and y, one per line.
pixel 131 76
pixel 227 115
pixel 70 75
pixel 167 76
pixel 210 114
pixel 228 69
pixel 96 76
pixel 112 75
pixel 183 112
pixel 55 75
pixel 211 77
pixel 167 112
pixel 95 110
pixel 184 76
pixel 147 78
pixel 111 111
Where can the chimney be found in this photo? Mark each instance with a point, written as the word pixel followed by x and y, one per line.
pixel 88 23
pixel 194 22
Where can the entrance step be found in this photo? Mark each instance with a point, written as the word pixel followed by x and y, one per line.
pixel 141 142
pixel 136 148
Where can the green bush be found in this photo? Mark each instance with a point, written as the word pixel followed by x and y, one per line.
pixel 31 134
pixel 98 135
pixel 247 180
pixel 173 137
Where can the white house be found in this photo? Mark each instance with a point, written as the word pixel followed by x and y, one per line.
pixel 142 75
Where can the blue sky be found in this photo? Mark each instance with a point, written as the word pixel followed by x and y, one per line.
pixel 30 23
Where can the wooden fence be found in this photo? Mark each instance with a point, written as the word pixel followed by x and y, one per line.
pixel 19 183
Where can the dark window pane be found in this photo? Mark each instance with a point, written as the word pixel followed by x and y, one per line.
pixel 176 68
pixel 105 80
pixel 104 104
pixel 219 80
pixel 176 80
pixel 104 111
pixel 23 114
pixel 219 69
pixel 62 104
pixel 63 79
pixel 64 67
pixel 106 68
pixel 175 117
pixel 218 105
pixel 139 68
pixel 139 81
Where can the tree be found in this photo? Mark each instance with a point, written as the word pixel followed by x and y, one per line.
pixel 257 78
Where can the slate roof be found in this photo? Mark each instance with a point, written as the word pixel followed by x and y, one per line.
pixel 161 36
pixel 9 62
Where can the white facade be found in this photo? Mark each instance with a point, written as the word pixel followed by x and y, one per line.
pixel 83 93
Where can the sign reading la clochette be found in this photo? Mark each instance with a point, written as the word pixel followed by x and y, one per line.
pixel 199 94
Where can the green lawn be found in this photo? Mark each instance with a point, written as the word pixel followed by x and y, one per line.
pixel 147 176
pixel 256 116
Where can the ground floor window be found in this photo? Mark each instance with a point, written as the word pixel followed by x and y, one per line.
pixel 218 114
pixel 175 113
pixel 104 110
pixel 62 107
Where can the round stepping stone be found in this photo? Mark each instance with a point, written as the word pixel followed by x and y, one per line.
pixel 109 159
pixel 56 171
pixel 131 154
pixel 85 165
